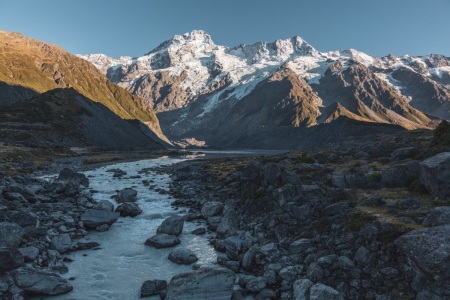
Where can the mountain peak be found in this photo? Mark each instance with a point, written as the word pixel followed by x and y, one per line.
pixel 193 39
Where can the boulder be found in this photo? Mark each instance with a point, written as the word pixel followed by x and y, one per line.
pixel 126 195
pixel 283 194
pixel 10 259
pixel 435 175
pixel 301 289
pixel 199 231
pixel 229 222
pixel 104 205
pixel 202 284
pixel 29 253
pixel 320 292
pixel 404 153
pixel 128 209
pixel 315 272
pixel 211 208
pixel 214 222
pixel 162 240
pixel 249 256
pixel 428 251
pixel 182 256
pixel 61 243
pixel 94 218
pixel 153 287
pixel 26 192
pixel 11 235
pixel 67 174
pixel 173 225
pixel 233 245
pixel 438 216
pixel 40 282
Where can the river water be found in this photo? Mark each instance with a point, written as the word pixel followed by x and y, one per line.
pixel 118 269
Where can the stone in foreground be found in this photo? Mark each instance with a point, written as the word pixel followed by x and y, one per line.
pixel 203 284
pixel 172 225
pixel 162 240
pixel 182 256
pixel 94 218
pixel 40 282
pixel 153 287
pixel 61 243
pixel 435 175
pixel 428 251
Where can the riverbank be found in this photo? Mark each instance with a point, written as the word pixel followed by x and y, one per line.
pixel 350 223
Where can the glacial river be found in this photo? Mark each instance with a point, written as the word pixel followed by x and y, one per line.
pixel 118 269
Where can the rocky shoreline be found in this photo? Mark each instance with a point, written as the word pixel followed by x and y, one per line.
pixel 368 223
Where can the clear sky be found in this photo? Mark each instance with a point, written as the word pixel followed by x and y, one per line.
pixel 134 27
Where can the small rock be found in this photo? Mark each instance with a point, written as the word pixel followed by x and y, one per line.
pixel 301 245
pixel 126 195
pixel 301 289
pixel 10 259
pixel 182 256
pixel 67 174
pixel 11 235
pixel 104 205
pixel 435 175
pixel 162 240
pixel 256 285
pixel 153 287
pixel 29 253
pixel 61 243
pixel 314 272
pixel 438 216
pixel 233 245
pixel 128 209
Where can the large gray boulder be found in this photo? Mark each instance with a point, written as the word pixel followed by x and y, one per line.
pixel 10 259
pixel 61 243
pixel 428 251
pixel 126 195
pixel 153 287
pixel 173 225
pixel 320 292
pixel 233 245
pixel 162 240
pixel 435 175
pixel 11 235
pixel 438 216
pixel 67 175
pixel 104 205
pixel 94 217
pixel 40 282
pixel 182 256
pixel 205 283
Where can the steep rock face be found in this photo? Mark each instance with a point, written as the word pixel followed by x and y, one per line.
pixel 426 94
pixel 357 89
pixel 29 67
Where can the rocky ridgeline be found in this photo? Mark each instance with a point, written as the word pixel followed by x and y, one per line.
pixel 336 224
pixel 40 222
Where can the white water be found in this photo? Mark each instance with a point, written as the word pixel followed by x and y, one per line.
pixel 123 263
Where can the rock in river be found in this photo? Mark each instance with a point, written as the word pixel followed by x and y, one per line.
pixel 93 218
pixel 67 174
pixel 126 195
pixel 61 243
pixel 204 283
pixel 153 287
pixel 182 256
pixel 128 209
pixel 172 225
pixel 162 240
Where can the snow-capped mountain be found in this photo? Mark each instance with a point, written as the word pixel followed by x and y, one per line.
pixel 193 84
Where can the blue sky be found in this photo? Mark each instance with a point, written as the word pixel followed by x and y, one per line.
pixel 134 27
